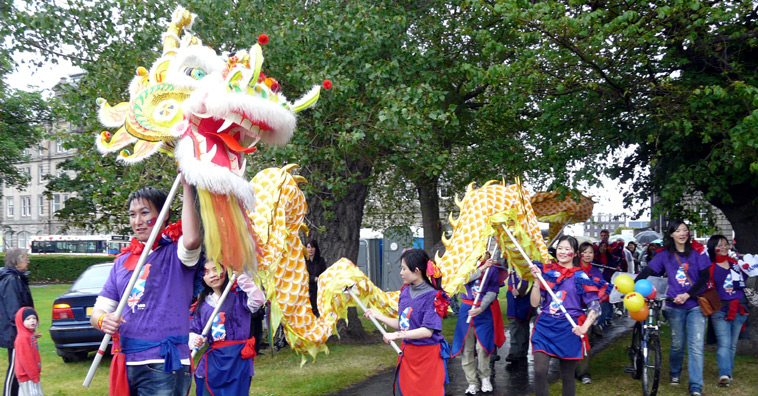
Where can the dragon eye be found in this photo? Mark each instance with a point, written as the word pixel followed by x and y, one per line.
pixel 194 72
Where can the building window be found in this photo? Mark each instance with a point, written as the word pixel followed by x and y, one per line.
pixel 41 205
pixel 41 172
pixel 26 206
pixel 8 240
pixel 56 202
pixel 26 152
pixel 9 206
pixel 23 237
pixel 59 147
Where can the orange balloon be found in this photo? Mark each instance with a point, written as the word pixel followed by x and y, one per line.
pixel 641 315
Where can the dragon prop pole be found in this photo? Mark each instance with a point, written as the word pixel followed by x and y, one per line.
pixel 539 276
pixel 484 279
pixel 137 269
pixel 221 300
pixel 373 320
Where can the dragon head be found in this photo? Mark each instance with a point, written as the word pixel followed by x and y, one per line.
pixel 209 110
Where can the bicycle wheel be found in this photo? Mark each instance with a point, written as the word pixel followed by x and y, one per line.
pixel 651 373
pixel 635 353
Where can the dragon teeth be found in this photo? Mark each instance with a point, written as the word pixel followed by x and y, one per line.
pixel 227 123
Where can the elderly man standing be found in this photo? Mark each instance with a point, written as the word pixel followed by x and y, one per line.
pixel 14 294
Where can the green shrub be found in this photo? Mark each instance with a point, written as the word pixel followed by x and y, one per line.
pixel 60 268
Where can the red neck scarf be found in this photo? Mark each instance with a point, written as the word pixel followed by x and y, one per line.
pixel 587 268
pixel 173 231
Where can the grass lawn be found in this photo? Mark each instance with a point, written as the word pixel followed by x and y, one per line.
pixel 282 375
pixel 608 377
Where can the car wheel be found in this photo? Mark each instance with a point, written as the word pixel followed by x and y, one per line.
pixel 72 357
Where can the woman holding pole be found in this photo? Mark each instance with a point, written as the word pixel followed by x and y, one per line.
pixel 480 326
pixel 422 367
pixel 154 325
pixel 226 367
pixel 553 335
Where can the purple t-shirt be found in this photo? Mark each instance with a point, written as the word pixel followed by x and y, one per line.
pixel 158 305
pixel 232 323
pixel 419 312
pixel 677 280
pixel 566 292
pixel 491 284
pixel 726 282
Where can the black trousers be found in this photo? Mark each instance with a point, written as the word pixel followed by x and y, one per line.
pixel 10 386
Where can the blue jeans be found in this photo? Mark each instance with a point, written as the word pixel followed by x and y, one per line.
pixel 606 313
pixel 727 334
pixel 151 380
pixel 689 323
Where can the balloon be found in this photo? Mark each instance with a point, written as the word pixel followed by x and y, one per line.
pixel 643 287
pixel 634 302
pixel 652 294
pixel 624 284
pixel 642 314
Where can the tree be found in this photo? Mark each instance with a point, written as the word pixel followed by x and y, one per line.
pixel 673 83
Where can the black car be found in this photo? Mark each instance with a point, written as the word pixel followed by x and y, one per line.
pixel 71 331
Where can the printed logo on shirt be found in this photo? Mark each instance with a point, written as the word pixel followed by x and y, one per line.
pixel 555 306
pixel 477 288
pixel 405 319
pixel 681 277
pixel 138 290
pixel 218 329
pixel 729 284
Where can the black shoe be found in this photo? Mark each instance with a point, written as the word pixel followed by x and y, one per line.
pixel 511 358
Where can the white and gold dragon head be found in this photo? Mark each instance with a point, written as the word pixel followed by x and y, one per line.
pixel 209 110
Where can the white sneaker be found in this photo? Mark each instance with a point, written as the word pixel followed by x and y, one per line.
pixel 472 389
pixel 724 380
pixel 486 385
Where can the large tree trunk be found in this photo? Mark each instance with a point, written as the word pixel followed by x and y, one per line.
pixel 742 213
pixel 341 229
pixel 430 212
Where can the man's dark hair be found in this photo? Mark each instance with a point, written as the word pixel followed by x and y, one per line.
pixel 154 196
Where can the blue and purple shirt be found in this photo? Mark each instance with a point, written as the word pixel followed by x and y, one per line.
pixel 665 261
pixel 419 312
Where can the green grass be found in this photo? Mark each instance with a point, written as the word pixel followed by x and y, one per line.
pixel 276 375
pixel 281 374
pixel 608 377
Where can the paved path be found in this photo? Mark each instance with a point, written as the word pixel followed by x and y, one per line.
pixel 507 380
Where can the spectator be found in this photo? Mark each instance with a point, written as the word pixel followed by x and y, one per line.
pixel 688 273
pixel 14 294
pixel 316 266
pixel 28 365
pixel 632 247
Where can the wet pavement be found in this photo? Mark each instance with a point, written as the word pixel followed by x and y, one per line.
pixel 507 379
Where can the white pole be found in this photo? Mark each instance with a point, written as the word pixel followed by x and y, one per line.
pixel 145 252
pixel 539 276
pixel 221 300
pixel 373 320
pixel 484 278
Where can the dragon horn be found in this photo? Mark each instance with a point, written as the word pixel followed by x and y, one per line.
pixel 180 19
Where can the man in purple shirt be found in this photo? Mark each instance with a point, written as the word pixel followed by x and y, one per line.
pixel 154 326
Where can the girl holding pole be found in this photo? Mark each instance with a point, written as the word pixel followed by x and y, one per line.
pixel 227 365
pixel 421 369
pixel 553 335
pixel 477 338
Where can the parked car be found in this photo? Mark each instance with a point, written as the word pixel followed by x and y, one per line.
pixel 71 331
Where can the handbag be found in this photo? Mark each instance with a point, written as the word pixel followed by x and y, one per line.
pixel 709 300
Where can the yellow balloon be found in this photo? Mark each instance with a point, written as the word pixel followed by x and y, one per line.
pixel 640 315
pixel 624 284
pixel 634 302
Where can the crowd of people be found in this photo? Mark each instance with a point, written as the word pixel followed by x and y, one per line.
pixel 155 335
